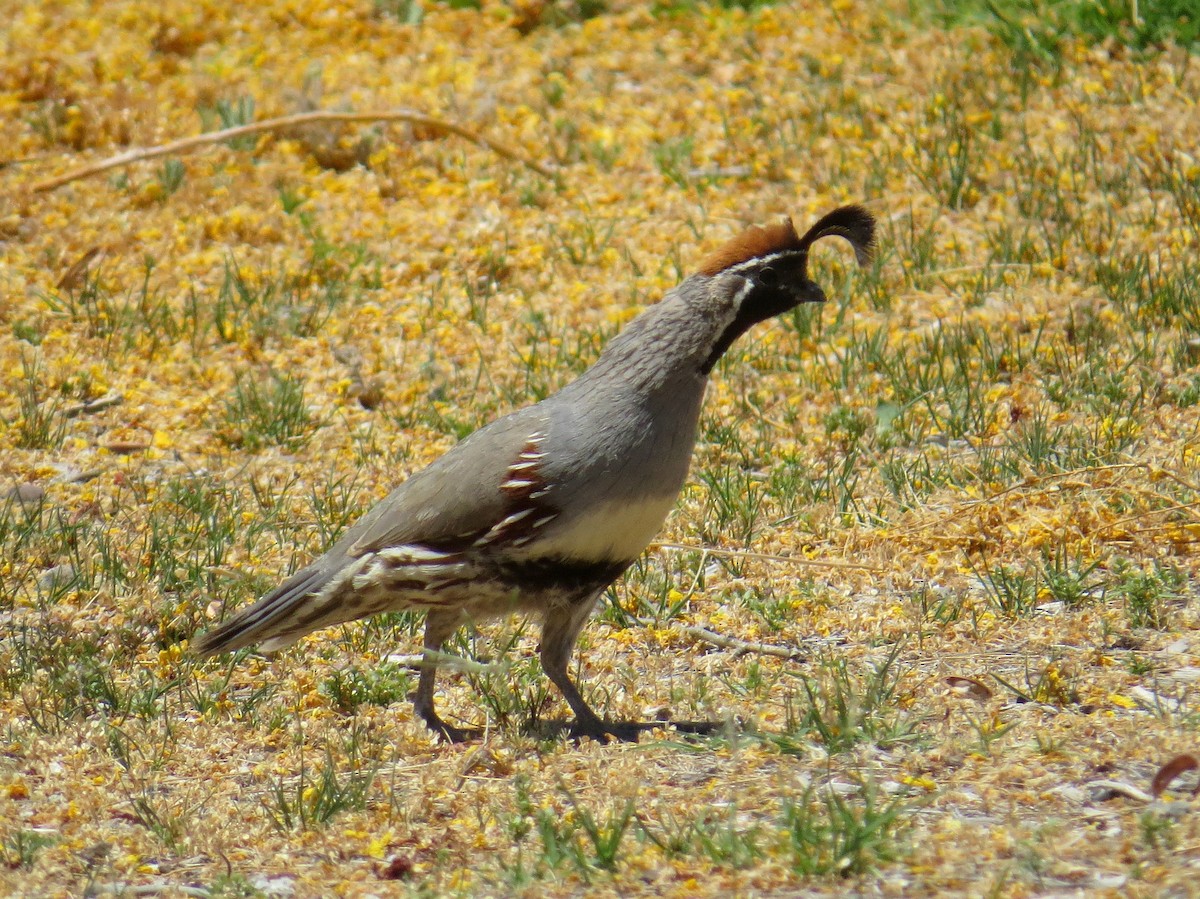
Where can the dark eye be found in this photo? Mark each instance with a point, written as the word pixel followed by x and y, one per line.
pixel 768 277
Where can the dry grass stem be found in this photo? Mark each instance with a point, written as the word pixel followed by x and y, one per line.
pixel 283 123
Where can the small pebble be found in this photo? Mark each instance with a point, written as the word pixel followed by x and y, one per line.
pixel 27 496
pixel 56 576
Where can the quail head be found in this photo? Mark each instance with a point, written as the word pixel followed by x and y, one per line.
pixel 542 509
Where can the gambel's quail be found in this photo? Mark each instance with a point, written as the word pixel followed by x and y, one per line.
pixel 542 509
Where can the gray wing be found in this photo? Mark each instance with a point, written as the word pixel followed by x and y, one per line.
pixel 457 497
pixel 450 504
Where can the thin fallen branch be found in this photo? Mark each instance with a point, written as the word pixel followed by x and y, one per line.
pixel 93 406
pixel 767 557
pixel 739 646
pixel 1189 508
pixel 291 121
pixel 1032 483
pixel 450 662
pixel 446 661
pixel 1178 479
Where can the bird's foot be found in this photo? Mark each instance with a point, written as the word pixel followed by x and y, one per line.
pixel 630 731
pixel 448 733
pixel 605 731
pixel 703 728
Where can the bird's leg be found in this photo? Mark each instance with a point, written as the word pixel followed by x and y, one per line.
pixel 559 632
pixel 439 625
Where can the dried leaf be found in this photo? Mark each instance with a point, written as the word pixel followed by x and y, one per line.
pixel 1171 770
pixel 1104 790
pixel 126 447
pixel 75 275
pixel 482 762
pixel 398 867
pixel 969 687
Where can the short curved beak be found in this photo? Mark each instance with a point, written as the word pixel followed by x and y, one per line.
pixel 809 292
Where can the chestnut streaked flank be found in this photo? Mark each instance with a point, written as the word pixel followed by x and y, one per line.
pixel 542 509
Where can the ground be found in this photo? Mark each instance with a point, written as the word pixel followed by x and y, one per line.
pixel 935 568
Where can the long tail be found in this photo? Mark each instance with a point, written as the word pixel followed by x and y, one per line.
pixel 279 618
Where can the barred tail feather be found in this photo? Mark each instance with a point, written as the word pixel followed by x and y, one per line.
pixel 273 619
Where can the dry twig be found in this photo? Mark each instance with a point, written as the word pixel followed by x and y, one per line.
pixel 767 557
pixel 291 121
pixel 739 646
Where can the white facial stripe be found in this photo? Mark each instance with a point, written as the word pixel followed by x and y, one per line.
pixel 724 315
pixel 743 292
pixel 758 261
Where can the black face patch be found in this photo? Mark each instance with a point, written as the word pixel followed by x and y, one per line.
pixel 771 286
pixel 773 265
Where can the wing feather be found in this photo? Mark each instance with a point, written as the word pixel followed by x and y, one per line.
pixel 463 496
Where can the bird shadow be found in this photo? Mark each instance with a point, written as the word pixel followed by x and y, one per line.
pixel 617 731
pixel 550 730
